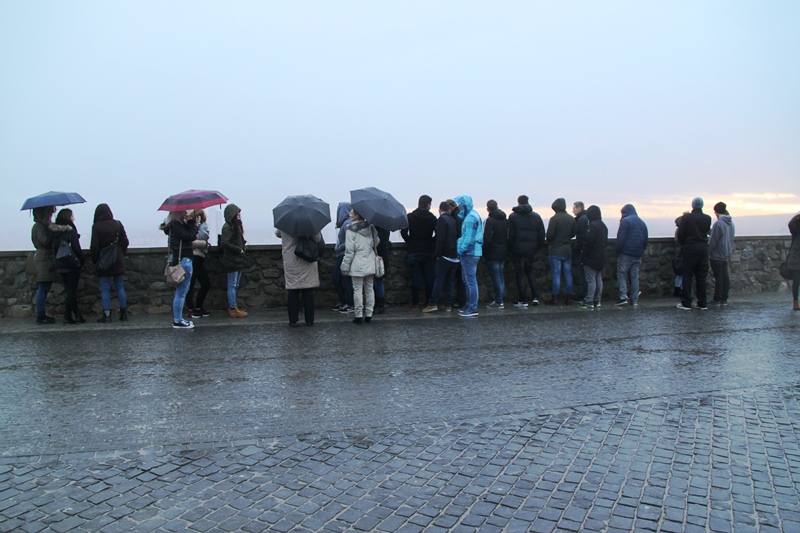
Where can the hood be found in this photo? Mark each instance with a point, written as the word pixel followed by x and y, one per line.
pixel 231 210
pixel 464 201
pixel 559 205
pixel 103 212
pixel 726 219
pixel 522 209
pixel 342 213
pixel 498 214
pixel 360 226
pixel 594 213
pixel 628 210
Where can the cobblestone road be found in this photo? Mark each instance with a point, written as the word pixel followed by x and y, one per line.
pixel 540 420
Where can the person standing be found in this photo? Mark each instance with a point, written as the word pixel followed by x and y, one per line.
pixel 232 243
pixel 44 258
pixel 631 242
pixel 495 249
pixel 342 284
pixel 560 231
pixel 525 236
pixel 469 252
pixel 593 257
pixel 200 248
pixel 301 277
pixel 720 249
pixel 581 222
pixel 379 284
pixel 793 259
pixel 446 260
pixel 693 238
pixel 70 271
pixel 359 263
pixel 105 232
pixel 419 238
pixel 182 232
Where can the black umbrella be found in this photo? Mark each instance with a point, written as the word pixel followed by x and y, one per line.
pixel 379 208
pixel 301 215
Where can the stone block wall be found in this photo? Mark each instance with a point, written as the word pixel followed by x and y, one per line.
pixel 754 268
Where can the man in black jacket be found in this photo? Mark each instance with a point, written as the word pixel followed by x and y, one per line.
pixel 419 238
pixel 446 260
pixel 525 236
pixel 693 237
pixel 581 223
pixel 495 249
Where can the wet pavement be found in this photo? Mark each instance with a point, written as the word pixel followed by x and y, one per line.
pixel 539 419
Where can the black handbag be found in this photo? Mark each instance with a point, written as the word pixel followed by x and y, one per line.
pixel 65 256
pixel 108 257
pixel 306 249
pixel 784 270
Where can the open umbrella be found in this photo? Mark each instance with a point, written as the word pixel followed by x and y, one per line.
pixel 193 199
pixel 379 208
pixel 301 215
pixel 53 198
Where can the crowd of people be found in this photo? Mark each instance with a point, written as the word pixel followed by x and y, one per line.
pixel 443 256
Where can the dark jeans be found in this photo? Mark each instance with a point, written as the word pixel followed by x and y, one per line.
pixel 523 268
pixel 343 284
pixel 495 269
pixel 445 277
pixel 421 268
pixel 200 274
pixel 581 288
pixel 795 283
pixel 695 265
pixel 294 305
pixel 71 280
pixel 722 280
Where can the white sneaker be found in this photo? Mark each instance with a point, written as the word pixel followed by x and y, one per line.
pixel 183 324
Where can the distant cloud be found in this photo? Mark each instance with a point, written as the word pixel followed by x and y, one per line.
pixel 742 204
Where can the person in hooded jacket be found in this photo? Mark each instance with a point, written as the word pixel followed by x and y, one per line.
pixel 495 249
pixel 470 249
pixel 200 248
pixel 693 238
pixel 593 255
pixel 446 260
pixel 301 277
pixel 106 231
pixel 793 259
pixel 70 273
pixel 630 245
pixel 581 221
pixel 525 237
pixel 379 284
pixel 560 231
pixel 180 227
pixel 359 263
pixel 342 284
pixel 232 243
pixel 720 249
pixel 44 258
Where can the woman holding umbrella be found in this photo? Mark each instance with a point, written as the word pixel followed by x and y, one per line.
pixel 44 258
pixel 302 277
pixel 181 229
pixel 359 264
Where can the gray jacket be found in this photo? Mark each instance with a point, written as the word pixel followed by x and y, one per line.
pixel 720 245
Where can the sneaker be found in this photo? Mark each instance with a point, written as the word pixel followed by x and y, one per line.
pixel 431 309
pixel 622 301
pixel 634 304
pixel 338 307
pixel 204 312
pixel 597 304
pixel 584 304
pixel 534 302
pixel 723 303
pixel 683 307
pixel 195 313
pixel 183 324
pixel 521 303
pixel 701 307
pixel 346 310
pixel 465 312
pixel 495 305
pixel 447 309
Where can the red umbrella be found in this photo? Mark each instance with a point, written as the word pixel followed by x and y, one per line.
pixel 193 199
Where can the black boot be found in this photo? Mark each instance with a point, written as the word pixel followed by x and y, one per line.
pixel 106 316
pixel 68 318
pixel 379 305
pixel 123 314
pixel 44 319
pixel 79 317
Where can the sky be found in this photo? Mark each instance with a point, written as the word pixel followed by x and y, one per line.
pixel 613 102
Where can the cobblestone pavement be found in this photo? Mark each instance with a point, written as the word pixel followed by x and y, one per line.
pixel 621 419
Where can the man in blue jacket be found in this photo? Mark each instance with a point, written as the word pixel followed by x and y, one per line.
pixel 470 249
pixel 631 243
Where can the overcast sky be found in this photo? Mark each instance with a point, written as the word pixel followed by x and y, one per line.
pixel 612 102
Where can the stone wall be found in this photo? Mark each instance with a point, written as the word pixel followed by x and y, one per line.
pixel 754 268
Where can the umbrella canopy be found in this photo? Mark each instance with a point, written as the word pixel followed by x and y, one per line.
pixel 301 215
pixel 193 199
pixel 379 208
pixel 53 198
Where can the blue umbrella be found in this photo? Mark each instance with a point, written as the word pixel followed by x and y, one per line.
pixel 53 198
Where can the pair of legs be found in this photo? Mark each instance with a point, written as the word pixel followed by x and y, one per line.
pixel 363 286
pixel 496 272
pixel 523 268
pixel 594 284
pixel 42 288
pixel 71 280
pixel 294 296
pixel 233 284
pixel 181 290
pixel 795 283
pixel 559 264
pixel 445 280
pixel 200 274
pixel 581 289
pixel 628 266
pixel 469 274
pixel 343 284
pixel 722 280
pixel 695 265
pixel 105 292
pixel 421 270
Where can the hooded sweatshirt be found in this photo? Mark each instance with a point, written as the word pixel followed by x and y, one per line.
pixel 525 230
pixel 471 240
pixel 632 233
pixel 342 222
pixel 495 236
pixel 560 230
pixel 105 231
pixel 720 245
pixel 232 241
pixel 693 231
pixel 595 241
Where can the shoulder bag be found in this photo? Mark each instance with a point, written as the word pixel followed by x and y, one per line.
pixel 108 257
pixel 175 274
pixel 380 269
pixel 306 249
pixel 65 256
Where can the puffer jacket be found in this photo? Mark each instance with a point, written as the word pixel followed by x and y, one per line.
pixel 525 230
pixel 44 259
pixel 359 255
pixel 495 236
pixel 632 233
pixel 593 250
pixel 560 230
pixel 232 241
pixel 471 240
pixel 299 273
pixel 720 244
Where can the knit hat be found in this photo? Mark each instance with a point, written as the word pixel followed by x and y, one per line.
pixel 721 208
pixel 697 203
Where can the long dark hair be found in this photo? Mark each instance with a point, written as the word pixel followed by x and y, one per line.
pixel 64 217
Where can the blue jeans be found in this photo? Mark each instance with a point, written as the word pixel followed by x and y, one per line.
pixel 421 268
pixel 42 289
pixel 233 284
pixel 496 272
pixel 559 263
pixel 343 284
pixel 181 290
pixel 377 287
pixel 445 279
pixel 105 292
pixel 628 265
pixel 469 270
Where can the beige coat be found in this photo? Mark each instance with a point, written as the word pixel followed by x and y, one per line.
pixel 299 273
pixel 359 253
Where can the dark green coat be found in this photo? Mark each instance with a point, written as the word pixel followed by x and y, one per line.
pixel 794 252
pixel 232 242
